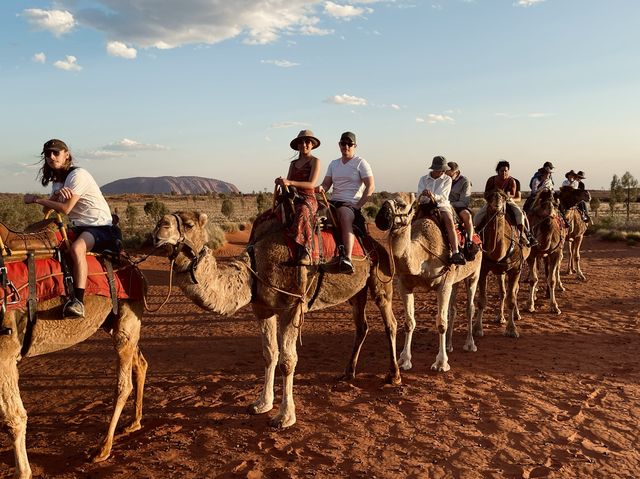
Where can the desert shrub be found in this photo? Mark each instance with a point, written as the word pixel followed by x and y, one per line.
pixel 155 210
pixel 216 236
pixel 227 207
pixel 262 202
pixel 229 227
pixel 16 215
pixel 371 211
pixel 136 240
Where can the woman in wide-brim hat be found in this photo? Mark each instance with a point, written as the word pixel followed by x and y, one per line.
pixel 303 175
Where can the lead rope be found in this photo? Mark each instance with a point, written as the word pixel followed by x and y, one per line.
pixel 144 297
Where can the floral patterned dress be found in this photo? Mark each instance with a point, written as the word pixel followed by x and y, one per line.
pixel 301 230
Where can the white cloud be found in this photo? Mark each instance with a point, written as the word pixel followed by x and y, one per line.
pixel 344 12
pixel 39 57
pixel 288 124
pixel 528 3
pixel 394 106
pixel 433 118
pixel 58 22
pixel 69 64
pixel 346 100
pixel 132 145
pixel 281 63
pixel 167 24
pixel 119 49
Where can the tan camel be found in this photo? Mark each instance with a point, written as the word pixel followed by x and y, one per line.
pixel 278 296
pixel 549 230
pixel 569 199
pixel 504 256
pixel 420 255
pixel 52 333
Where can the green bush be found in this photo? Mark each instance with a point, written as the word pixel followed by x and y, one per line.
pixel 16 215
pixel 216 236
pixel 229 227
pixel 371 211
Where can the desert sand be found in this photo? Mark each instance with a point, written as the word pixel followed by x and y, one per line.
pixel 562 401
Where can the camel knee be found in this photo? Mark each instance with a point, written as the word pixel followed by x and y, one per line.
pixel 288 365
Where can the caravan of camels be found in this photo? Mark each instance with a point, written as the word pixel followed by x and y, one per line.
pixel 413 254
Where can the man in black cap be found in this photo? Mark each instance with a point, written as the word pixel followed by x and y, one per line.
pixel 353 185
pixel 536 176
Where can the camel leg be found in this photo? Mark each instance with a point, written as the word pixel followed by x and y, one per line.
pixel 140 366
pixel 501 298
pixel 358 303
pixel 384 300
pixel 452 316
pixel 269 331
pixel 513 277
pixel 290 321
pixel 559 284
pixel 533 283
pixel 570 264
pixel 442 360
pixel 125 339
pixel 482 303
pixel 552 278
pixel 576 245
pixel 404 361
pixel 12 412
pixel 472 284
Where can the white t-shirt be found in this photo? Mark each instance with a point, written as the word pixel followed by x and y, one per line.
pixel 572 183
pixel 347 179
pixel 440 187
pixel 91 209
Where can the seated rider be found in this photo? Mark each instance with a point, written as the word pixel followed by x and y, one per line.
pixel 353 185
pixel 76 194
pixel 542 181
pixel 460 199
pixel 303 175
pixel 436 187
pixel 502 181
pixel 574 180
pixel 538 173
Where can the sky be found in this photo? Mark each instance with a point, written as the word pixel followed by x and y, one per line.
pixel 218 88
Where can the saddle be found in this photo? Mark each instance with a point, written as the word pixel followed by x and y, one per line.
pixel 42 238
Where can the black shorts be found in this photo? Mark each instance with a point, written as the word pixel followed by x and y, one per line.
pixel 458 209
pixel 106 237
pixel 359 222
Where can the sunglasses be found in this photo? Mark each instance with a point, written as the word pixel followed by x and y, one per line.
pixel 51 152
pixel 346 144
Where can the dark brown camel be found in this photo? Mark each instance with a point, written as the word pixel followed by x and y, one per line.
pixel 503 255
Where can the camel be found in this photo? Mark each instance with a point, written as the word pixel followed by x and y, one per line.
pixel 548 228
pixel 503 255
pixel 279 294
pixel 53 333
pixel 420 255
pixel 569 199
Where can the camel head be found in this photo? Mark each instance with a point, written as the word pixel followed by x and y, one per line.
pixel 396 212
pixel 496 200
pixel 545 204
pixel 569 197
pixel 185 236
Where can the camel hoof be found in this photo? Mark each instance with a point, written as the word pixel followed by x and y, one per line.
pixel 500 320
pixel 346 377
pixel 405 364
pixel 531 309
pixel 101 456
pixel 279 422
pixel 133 427
pixel 259 407
pixel 478 332
pixel 393 379
pixel 512 333
pixel 470 348
pixel 449 348
pixel 440 367
pixel 556 310
pixel 582 277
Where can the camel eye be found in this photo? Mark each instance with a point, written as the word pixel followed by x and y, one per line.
pixel 189 224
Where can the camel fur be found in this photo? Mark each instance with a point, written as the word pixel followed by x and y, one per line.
pixel 420 255
pixel 281 297
pixel 550 234
pixel 53 333
pixel 504 256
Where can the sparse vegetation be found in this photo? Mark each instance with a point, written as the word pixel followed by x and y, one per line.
pixel 227 208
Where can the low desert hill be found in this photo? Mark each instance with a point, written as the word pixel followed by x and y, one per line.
pixel 183 185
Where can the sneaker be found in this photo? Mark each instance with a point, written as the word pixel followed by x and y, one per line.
pixel 346 266
pixel 457 258
pixel 73 309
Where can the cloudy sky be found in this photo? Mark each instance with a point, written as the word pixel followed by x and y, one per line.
pixel 218 88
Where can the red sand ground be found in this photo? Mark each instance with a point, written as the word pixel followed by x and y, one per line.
pixel 561 402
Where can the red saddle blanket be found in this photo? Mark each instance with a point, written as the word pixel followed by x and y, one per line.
pixel 328 245
pixel 129 281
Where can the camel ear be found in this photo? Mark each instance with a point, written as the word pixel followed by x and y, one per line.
pixel 202 219
pixel 413 197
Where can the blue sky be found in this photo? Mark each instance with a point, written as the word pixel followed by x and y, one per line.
pixel 218 88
